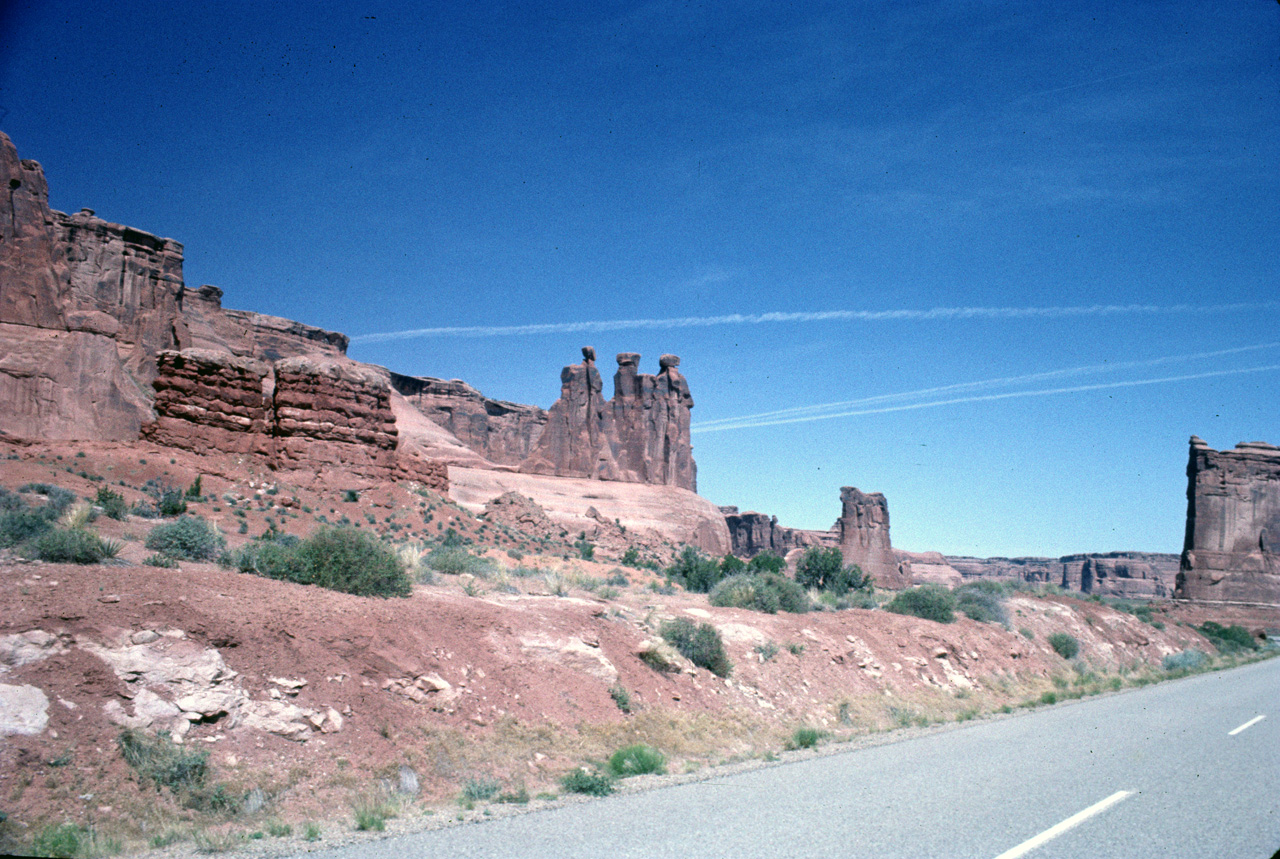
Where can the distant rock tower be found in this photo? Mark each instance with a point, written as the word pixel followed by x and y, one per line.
pixel 1231 552
pixel 864 537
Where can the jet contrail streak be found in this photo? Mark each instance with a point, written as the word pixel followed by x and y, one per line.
pixel 937 313
pixel 984 383
pixel 750 424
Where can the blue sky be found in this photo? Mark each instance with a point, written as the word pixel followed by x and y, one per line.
pixel 1029 247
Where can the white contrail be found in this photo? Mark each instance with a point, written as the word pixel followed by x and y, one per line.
pixel 984 383
pixel 937 313
pixel 749 424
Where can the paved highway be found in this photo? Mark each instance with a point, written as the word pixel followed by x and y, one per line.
pixel 1189 768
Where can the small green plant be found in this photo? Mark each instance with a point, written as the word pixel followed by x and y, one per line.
pixel 155 758
pixel 804 738
pixel 1186 661
pixel 1228 639
pixel 620 697
pixel 351 496
pixel 517 796
pixel 637 760
pixel 172 502
pixel 193 491
pixel 61 840
pixel 159 560
pixel 700 644
pixel 371 813
pixel 1027 634
pixel 929 602
pixel 766 651
pixel 480 789
pixel 112 503
pixel 589 782
pixel 311 832
pixel 586 550
pixel 190 538
pixel 1064 644
pixel 795 648
pixel 276 829
pixel 1049 698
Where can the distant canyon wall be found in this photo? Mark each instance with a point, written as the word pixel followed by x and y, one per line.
pixel 1231 551
pixel 1140 575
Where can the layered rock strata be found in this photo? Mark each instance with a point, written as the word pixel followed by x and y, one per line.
pixel 1231 551
pixel 501 432
pixel 863 528
pixel 303 413
pixel 1139 575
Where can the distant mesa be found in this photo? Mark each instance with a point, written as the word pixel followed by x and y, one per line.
pixel 1231 551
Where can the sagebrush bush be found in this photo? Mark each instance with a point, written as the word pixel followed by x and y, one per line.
pixel 155 758
pixel 112 503
pixel 765 592
pixel 804 738
pixel 699 643
pixel 694 571
pixel 929 602
pixel 57 499
pixel 72 546
pixel 190 538
pixel 1228 639
pixel 588 782
pixel 18 526
pixel 1064 644
pixel 339 558
pixel 455 560
pixel 983 602
pixel 1187 660
pixel 637 760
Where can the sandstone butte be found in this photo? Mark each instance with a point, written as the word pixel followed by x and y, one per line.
pixel 101 340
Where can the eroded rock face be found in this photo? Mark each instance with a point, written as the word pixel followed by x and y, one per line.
pixel 640 436
pixel 1231 551
pixel 752 533
pixel 501 432
pixel 864 537
pixel 301 413
pixel 1140 575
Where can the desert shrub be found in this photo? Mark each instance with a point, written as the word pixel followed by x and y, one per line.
pixel 351 561
pixel 56 499
pixel 455 560
pixel 10 500
pixel 72 546
pixel 1228 639
pixel 112 503
pixel 588 782
pixel 637 760
pixel 930 602
pixel 732 566
pixel 617 579
pixel 700 644
pixel 982 601
pixel 155 758
pixel 371 813
pixel 586 549
pixel 766 562
pixel 694 571
pixel 160 560
pixel 631 557
pixel 804 738
pixel 193 491
pixel 172 502
pixel 824 570
pixel 480 789
pixel 1064 644
pixel 765 592
pixel 190 538
pixel 144 510
pixel 64 840
pixel 19 526
pixel 350 496
pixel 1187 660
pixel 621 697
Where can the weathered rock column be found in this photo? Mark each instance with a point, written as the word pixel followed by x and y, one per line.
pixel 864 537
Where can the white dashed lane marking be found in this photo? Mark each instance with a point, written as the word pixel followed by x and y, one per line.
pixel 1074 820
pixel 1249 724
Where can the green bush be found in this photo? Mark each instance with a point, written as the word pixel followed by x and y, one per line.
pixel 930 602
pixel 694 571
pixel 1187 660
pixel 339 558
pixel 588 782
pixel 480 789
pixel 1228 639
pixel 982 601
pixel 824 570
pixel 155 758
pixel 700 644
pixel 190 538
pixel 765 592
pixel 621 697
pixel 637 760
pixel 72 546
pixel 455 560
pixel 65 840
pixel 766 562
pixel 19 526
pixel 732 566
pixel 56 499
pixel 631 557
pixel 1064 645
pixel 112 503
pixel 172 502
pixel 804 738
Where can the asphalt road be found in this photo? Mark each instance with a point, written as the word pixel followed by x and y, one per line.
pixel 1156 770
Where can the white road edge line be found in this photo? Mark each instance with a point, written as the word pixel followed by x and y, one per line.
pixel 1074 820
pixel 1249 724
